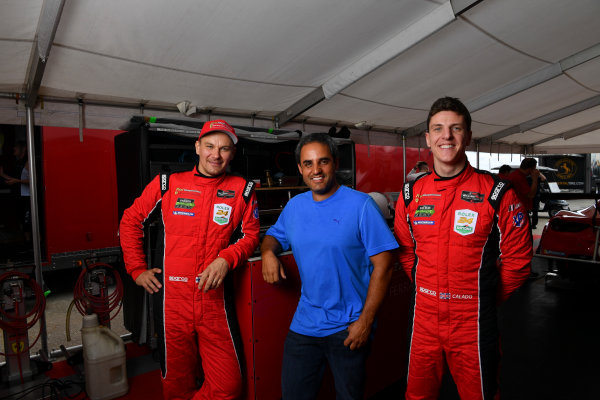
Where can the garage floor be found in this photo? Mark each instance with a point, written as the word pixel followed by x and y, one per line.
pixel 550 341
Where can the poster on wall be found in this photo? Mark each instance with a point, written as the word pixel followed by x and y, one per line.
pixel 595 170
pixel 571 170
pixel 595 158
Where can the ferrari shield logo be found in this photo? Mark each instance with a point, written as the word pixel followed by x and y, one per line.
pixel 221 214
pixel 464 222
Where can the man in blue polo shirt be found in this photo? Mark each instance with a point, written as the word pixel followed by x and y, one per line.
pixel 343 249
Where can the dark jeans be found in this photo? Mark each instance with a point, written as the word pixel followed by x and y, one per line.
pixel 534 212
pixel 304 360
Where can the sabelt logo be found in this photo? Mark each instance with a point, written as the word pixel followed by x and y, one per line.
pixel 497 190
pixel 163 182
pixel 406 192
pixel 178 278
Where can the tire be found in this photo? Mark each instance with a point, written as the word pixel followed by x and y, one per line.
pixel 553 211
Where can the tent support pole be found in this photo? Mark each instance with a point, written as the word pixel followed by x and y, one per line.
pixel 404 157
pixel 35 223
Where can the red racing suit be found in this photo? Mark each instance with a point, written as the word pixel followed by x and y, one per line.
pixel 465 244
pixel 203 218
pixel 518 180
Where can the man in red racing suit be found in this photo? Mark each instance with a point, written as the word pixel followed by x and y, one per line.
pixel 465 244
pixel 210 226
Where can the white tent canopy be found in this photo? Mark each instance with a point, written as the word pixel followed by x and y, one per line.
pixel 529 71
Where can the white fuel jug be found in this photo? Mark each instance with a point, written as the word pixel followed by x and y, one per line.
pixel 104 360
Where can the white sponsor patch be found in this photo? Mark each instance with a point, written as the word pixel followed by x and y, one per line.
pixel 427 291
pixel 178 278
pixel 221 214
pixel 514 207
pixel 462 296
pixel 464 222
pixel 497 190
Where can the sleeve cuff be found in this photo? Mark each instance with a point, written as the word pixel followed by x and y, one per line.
pixel 230 260
pixel 135 273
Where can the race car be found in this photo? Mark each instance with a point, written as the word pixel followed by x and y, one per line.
pixel 569 242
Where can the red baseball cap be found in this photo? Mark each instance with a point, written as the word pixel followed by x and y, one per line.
pixel 218 125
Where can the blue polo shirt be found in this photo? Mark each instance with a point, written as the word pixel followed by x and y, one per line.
pixel 332 241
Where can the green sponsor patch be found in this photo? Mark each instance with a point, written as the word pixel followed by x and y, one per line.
pixel 464 230
pixel 187 204
pixel 424 211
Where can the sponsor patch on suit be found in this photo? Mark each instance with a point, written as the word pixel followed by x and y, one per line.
pixel 221 213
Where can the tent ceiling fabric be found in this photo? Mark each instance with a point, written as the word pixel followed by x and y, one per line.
pixel 380 63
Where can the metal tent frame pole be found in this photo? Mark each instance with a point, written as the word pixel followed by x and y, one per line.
pixel 35 223
pixel 403 158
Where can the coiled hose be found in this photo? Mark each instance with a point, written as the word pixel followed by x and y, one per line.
pixel 16 324
pixel 103 304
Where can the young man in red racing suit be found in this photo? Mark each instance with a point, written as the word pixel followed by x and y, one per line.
pixel 465 243
pixel 210 227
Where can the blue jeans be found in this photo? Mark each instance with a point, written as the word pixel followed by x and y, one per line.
pixel 304 360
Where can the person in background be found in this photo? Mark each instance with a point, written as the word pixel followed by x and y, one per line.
pixel 210 227
pixel 421 168
pixel 343 248
pixel 526 190
pixel 535 202
pixel 504 171
pixel 21 190
pixel 465 244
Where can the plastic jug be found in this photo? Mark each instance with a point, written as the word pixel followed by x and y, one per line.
pixel 104 360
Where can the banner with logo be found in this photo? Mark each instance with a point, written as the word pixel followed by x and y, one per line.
pixel 571 170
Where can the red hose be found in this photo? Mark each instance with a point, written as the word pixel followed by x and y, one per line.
pixel 103 304
pixel 17 324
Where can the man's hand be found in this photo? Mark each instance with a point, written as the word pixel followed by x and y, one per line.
pixel 148 281
pixel 213 275
pixel 272 269
pixel 359 330
pixel 358 334
pixel 535 173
